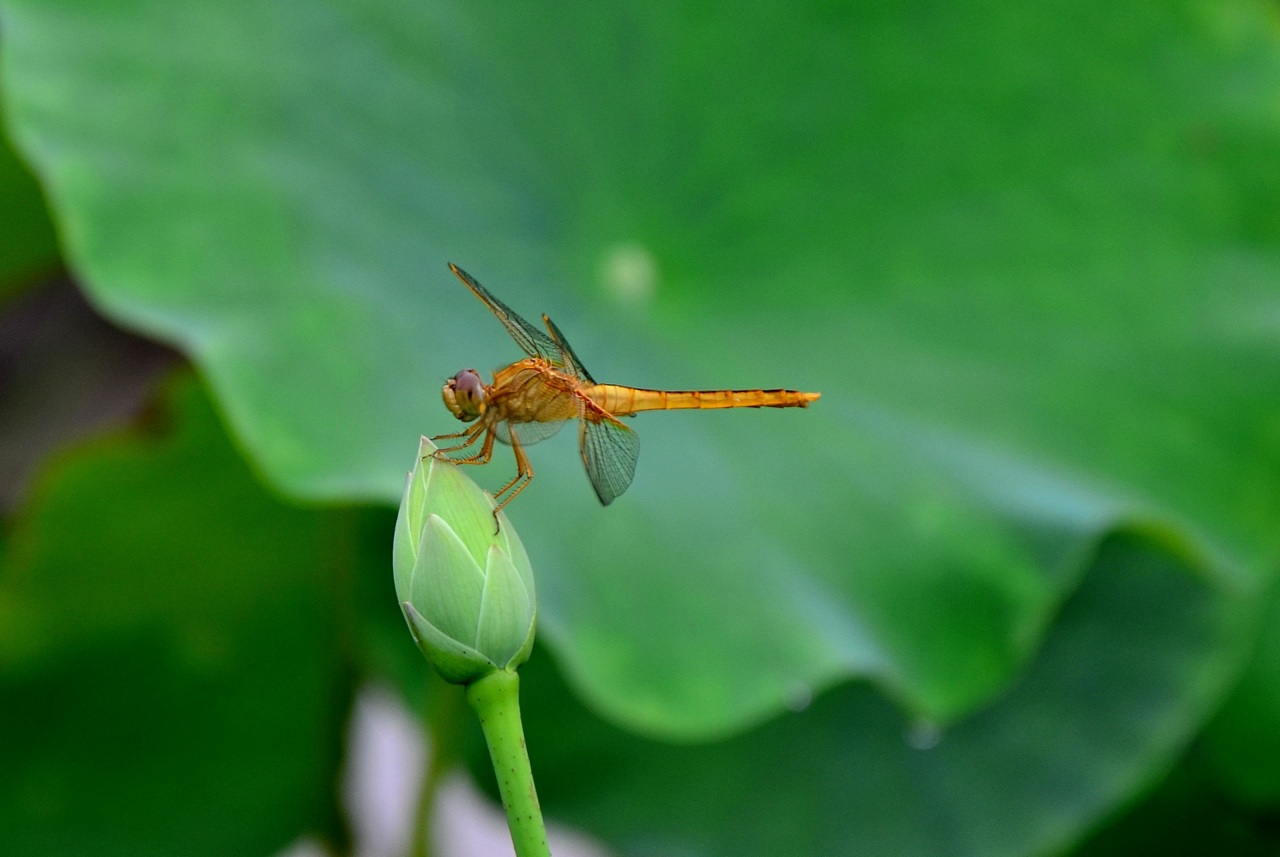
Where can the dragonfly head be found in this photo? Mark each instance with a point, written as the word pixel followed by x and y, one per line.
pixel 464 395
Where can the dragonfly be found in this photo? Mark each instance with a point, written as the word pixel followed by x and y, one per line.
pixel 533 398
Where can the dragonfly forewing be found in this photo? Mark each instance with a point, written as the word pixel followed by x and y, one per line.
pixel 532 341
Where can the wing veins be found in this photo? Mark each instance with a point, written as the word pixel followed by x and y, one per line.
pixel 532 341
pixel 569 357
pixel 609 450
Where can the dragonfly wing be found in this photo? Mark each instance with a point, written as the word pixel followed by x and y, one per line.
pixel 534 342
pixel 609 451
pixel 570 359
pixel 527 433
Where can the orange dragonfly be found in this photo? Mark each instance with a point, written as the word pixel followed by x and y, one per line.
pixel 533 398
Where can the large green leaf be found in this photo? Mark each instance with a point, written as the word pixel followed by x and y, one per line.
pixel 1242 743
pixel 1027 254
pixel 1186 815
pixel 1135 659
pixel 27 243
pixel 171 671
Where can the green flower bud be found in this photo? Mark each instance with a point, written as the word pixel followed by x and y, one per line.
pixel 466 591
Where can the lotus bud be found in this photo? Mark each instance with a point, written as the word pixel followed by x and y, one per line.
pixel 466 591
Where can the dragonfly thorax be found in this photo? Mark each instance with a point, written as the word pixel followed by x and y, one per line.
pixel 464 395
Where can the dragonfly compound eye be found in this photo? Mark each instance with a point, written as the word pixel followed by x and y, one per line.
pixel 464 395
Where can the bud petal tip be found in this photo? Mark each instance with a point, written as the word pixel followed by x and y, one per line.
pixel 456 662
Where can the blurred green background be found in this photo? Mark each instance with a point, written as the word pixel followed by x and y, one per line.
pixel 1007 589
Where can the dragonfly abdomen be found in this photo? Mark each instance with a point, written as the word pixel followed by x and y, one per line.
pixel 620 401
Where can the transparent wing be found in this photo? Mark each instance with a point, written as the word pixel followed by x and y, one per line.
pixel 527 433
pixel 609 451
pixel 571 360
pixel 532 341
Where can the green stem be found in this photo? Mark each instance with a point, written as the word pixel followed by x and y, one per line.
pixel 496 700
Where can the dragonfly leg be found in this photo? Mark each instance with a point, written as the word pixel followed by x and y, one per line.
pixel 481 457
pixel 472 434
pixel 524 473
